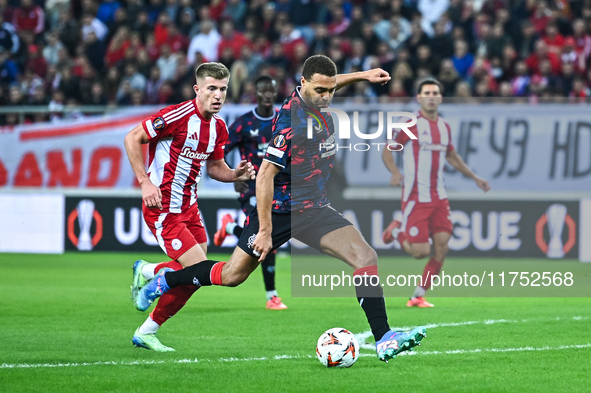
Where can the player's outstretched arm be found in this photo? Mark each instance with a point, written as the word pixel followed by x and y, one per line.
pixel 458 163
pixel 220 171
pixel 264 193
pixel 151 195
pixel 376 75
pixel 396 179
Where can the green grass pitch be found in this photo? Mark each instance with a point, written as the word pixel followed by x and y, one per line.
pixel 66 323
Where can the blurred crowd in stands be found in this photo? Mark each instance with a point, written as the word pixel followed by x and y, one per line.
pixel 144 52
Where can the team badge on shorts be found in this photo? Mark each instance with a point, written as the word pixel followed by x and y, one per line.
pixel 251 240
pixel 414 231
pixel 158 123
pixel 176 244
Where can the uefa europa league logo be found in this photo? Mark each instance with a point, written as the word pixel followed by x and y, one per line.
pixel 556 214
pixel 85 214
pixel 556 217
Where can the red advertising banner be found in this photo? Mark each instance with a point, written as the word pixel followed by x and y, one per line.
pixel 84 153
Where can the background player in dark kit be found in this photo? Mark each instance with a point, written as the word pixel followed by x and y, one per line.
pixel 251 133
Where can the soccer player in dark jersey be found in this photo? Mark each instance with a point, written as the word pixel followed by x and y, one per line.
pixel 292 201
pixel 251 133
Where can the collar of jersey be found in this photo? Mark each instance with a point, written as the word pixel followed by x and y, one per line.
pixel 254 112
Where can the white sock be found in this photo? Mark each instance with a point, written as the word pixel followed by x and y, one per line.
pixel 230 227
pixel 419 292
pixel 149 327
pixel 148 271
pixel 270 294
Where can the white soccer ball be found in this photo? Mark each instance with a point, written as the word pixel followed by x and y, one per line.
pixel 337 347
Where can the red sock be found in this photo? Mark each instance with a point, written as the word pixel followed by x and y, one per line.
pixel 216 273
pixel 171 302
pixel 432 268
pixel 369 270
pixel 371 299
pixel 170 264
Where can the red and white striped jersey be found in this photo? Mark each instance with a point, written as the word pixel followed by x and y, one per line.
pixel 180 140
pixel 424 159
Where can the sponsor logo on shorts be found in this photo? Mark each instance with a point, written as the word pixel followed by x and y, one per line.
pixel 158 123
pixel 414 231
pixel 177 244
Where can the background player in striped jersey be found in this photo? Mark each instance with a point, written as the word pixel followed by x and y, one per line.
pixel 251 134
pixel 426 212
pixel 182 138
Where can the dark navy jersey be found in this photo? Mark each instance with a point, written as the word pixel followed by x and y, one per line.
pixel 305 161
pixel 251 134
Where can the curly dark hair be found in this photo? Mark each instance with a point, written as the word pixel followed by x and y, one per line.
pixel 318 64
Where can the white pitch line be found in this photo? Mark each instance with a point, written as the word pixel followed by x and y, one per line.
pixel 283 357
pixel 494 321
pixel 494 350
pixel 361 337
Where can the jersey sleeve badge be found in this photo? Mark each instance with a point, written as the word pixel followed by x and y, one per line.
pixel 279 141
pixel 158 123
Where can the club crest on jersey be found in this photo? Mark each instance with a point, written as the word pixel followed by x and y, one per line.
pixel 279 141
pixel 158 123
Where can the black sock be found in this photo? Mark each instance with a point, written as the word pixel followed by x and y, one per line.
pixel 371 299
pixel 198 274
pixel 268 266
pixel 237 231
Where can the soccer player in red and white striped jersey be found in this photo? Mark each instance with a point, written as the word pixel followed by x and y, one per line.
pixel 182 139
pixel 426 212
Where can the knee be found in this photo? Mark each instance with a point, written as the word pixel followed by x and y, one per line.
pixel 366 257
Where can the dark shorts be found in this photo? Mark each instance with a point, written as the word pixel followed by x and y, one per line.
pixel 308 227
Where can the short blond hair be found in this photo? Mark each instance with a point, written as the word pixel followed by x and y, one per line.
pixel 215 70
